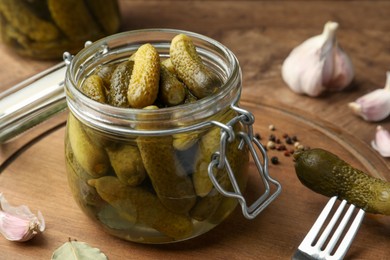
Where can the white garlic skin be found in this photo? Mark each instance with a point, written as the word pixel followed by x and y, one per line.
pixel 373 106
pixel 18 223
pixel 381 143
pixel 318 64
pixel 343 72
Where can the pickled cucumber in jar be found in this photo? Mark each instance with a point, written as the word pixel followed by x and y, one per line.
pixel 154 187
pixel 45 29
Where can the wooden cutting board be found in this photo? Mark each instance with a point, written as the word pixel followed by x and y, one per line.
pixel 261 34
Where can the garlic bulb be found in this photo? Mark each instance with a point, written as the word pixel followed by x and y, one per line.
pixel 318 64
pixel 18 223
pixel 381 143
pixel 374 106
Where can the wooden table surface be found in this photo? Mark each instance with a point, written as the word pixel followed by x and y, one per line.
pixel 261 34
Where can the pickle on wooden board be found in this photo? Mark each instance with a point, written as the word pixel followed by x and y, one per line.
pixel 74 19
pixel 329 175
pixel 93 87
pixel 22 19
pixel 172 91
pixel 92 158
pixel 173 187
pixel 127 164
pixel 106 12
pixel 119 82
pixel 144 82
pixel 190 68
pixel 137 202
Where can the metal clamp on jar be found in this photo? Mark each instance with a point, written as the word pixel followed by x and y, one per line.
pixel 161 175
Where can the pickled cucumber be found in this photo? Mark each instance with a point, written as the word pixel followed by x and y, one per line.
pixel 327 174
pixel 208 204
pixel 25 46
pixel 10 34
pixel 74 19
pixel 208 144
pixel 47 49
pixel 144 82
pixel 169 179
pixel 172 92
pixel 22 19
pixel 127 164
pixel 184 141
pixel 168 64
pixel 119 82
pixel 189 97
pixel 93 87
pixel 190 68
pixel 86 196
pixel 106 13
pixel 173 187
pixel 39 8
pixel 137 202
pixel 105 72
pixel 92 158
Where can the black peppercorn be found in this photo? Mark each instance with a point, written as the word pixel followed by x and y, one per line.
pixel 289 140
pixel 274 160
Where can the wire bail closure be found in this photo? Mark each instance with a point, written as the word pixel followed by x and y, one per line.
pixel 220 161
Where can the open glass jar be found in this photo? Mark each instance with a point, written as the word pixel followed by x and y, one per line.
pixel 165 175
pixel 45 29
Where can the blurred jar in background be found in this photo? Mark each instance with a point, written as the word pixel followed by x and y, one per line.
pixel 44 29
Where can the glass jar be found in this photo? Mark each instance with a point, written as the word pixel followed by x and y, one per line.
pixel 46 28
pixel 165 175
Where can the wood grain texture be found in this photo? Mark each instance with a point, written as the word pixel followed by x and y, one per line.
pixel 261 34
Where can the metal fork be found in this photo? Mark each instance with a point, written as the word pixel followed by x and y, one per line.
pixel 310 248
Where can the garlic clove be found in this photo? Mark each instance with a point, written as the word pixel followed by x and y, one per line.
pixel 304 77
pixel 318 64
pixel 18 223
pixel 373 106
pixel 381 143
pixel 343 71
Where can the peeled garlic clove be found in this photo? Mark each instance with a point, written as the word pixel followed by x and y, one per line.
pixel 374 106
pixel 381 143
pixel 318 64
pixel 18 223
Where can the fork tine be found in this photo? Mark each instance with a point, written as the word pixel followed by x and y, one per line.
pixel 313 250
pixel 336 235
pixel 350 235
pixel 331 224
pixel 313 232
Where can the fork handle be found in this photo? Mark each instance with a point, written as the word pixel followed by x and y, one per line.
pixel 299 255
